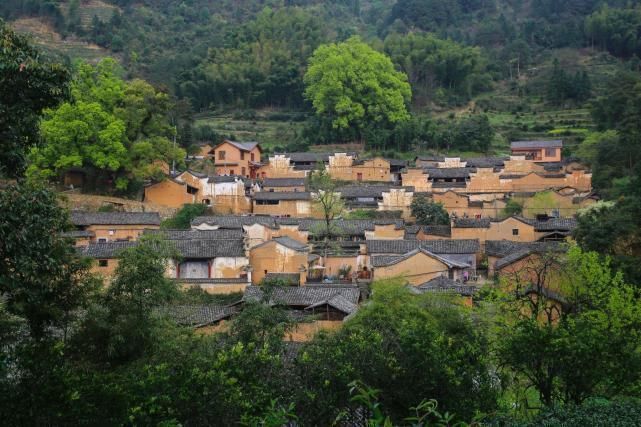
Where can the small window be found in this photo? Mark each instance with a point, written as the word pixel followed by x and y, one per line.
pixel 112 232
pixel 550 152
pixel 221 155
pixel 359 176
pixel 103 263
pixel 242 155
pixel 515 232
pixel 251 156
pixel 231 172
pixel 102 240
pixel 192 190
pixel 242 171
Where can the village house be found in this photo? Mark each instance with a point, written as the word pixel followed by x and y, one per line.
pixel 186 187
pixel 237 158
pixel 417 266
pixel 280 255
pixel 257 229
pixel 427 232
pixel 205 319
pixel 462 205
pixel 318 307
pixel 113 226
pixel 538 151
pixel 513 228
pixel 345 167
pixel 281 166
pixel 288 203
pixel 498 250
pixel 204 151
pixel 105 257
pixel 461 256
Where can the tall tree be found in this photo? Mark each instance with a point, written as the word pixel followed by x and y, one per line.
pixel 29 84
pixel 353 86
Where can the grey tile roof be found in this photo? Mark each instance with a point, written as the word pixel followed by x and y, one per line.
pixel 106 250
pixel 556 143
pixel 529 250
pixel 348 227
pixel 284 195
pixel 339 302
pixel 501 248
pixel 439 247
pixel 553 224
pixel 437 184
pixel 397 162
pixel 291 243
pixel 447 285
pixel 208 249
pixel 234 221
pixel 431 230
pixel 84 218
pixel 292 279
pixel 444 173
pixel 220 234
pixel 471 223
pixel 386 260
pixel 225 179
pixel 245 146
pixel 376 191
pixel 75 234
pixel 308 157
pixel 303 296
pixel 198 315
pixel 485 162
pixel 284 182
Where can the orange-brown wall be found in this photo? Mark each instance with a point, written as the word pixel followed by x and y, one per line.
pixel 293 208
pixel 333 264
pixel 417 269
pixel 168 193
pixel 280 166
pixel 498 231
pixel 273 257
pixel 233 155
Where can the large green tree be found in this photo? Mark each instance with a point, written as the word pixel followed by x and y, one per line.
pixel 29 83
pixel 116 128
pixel 351 85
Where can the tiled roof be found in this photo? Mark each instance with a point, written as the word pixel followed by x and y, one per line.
pixel 308 157
pixel 485 162
pixel 354 191
pixel 439 247
pixel 207 249
pixel 471 223
pixel 106 250
pixel 291 243
pixel 304 296
pixel 225 179
pixel 284 195
pixel 444 284
pixel 245 146
pixel 444 173
pixel 397 162
pixel 350 227
pixel 338 302
pixel 501 248
pixel 292 279
pixel 556 143
pixel 234 221
pixel 526 251
pixel 83 218
pixel 284 182
pixel 437 184
pixel 386 260
pixel 198 234
pixel 553 224
pixel 75 234
pixel 198 315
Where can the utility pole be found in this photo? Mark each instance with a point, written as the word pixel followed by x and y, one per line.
pixel 173 157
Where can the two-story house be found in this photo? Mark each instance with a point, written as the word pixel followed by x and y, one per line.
pixel 237 158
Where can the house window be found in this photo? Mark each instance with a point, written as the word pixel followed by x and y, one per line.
pixel 359 176
pixel 242 155
pixel 550 152
pixel 221 155
pixel 103 263
pixel 515 232
pixel 242 171
pixel 112 232
pixel 231 172
pixel 102 240
pixel 192 190
pixel 266 202
pixel 251 156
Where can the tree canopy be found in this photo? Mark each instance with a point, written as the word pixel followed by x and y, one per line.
pixel 352 86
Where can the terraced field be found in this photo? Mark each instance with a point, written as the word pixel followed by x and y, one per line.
pixel 45 37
